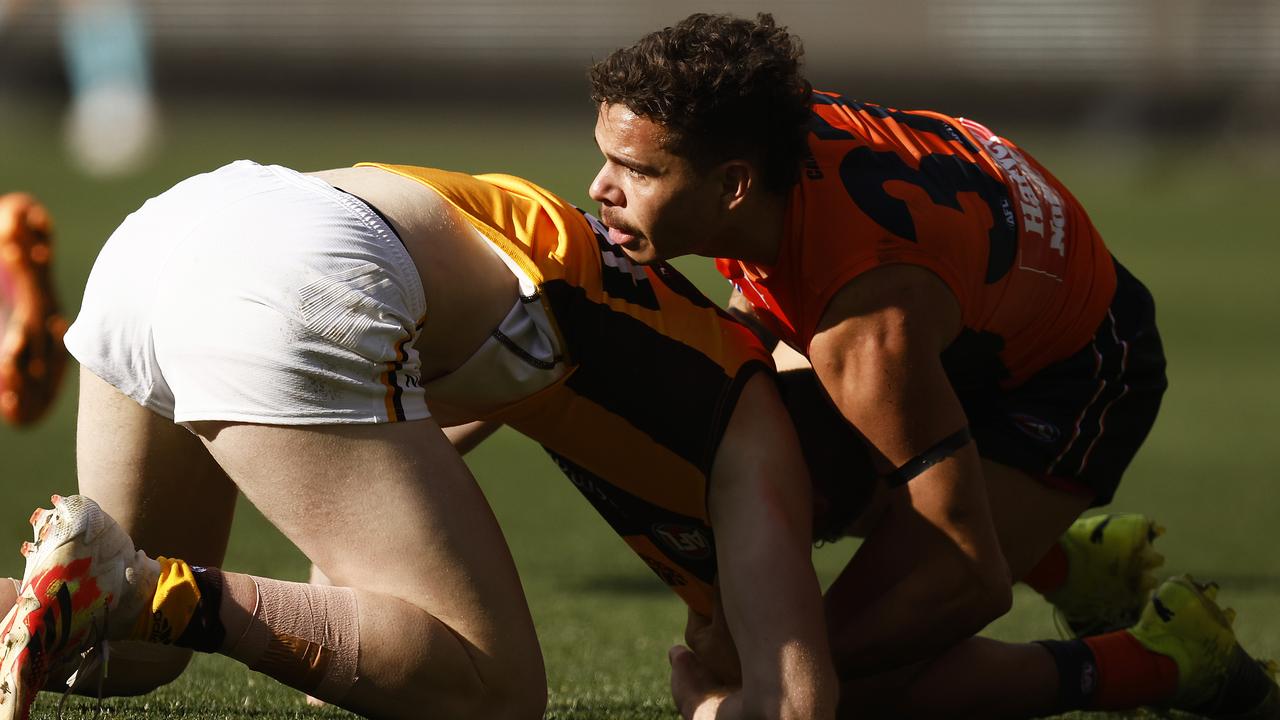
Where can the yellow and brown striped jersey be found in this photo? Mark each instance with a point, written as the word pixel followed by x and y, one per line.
pixel 654 371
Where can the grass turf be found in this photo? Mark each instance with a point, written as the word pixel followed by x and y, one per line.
pixel 1191 220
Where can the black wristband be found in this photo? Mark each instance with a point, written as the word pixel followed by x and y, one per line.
pixel 940 451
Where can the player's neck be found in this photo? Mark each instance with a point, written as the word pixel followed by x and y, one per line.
pixel 755 233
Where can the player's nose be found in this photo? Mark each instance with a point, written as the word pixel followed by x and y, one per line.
pixel 604 190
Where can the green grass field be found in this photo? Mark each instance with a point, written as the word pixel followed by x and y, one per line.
pixel 1196 222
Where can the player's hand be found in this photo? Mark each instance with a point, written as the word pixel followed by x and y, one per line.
pixel 696 692
pixel 711 642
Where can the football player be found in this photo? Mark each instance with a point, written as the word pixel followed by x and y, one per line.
pixel 965 318
pixel 259 330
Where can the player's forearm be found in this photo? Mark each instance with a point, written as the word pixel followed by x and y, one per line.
pixel 760 506
pixel 933 566
pixel 773 606
pixel 913 589
pixel 910 617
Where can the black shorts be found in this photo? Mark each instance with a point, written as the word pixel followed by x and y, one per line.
pixel 1078 423
pixel 1075 424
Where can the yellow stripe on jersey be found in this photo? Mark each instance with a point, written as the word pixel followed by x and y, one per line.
pixel 550 239
pixel 537 229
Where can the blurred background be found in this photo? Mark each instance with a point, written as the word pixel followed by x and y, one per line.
pixel 1160 115
pixel 1161 63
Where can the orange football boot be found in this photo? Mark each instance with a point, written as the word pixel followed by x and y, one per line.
pixel 32 356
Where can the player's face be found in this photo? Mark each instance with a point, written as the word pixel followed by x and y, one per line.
pixel 655 203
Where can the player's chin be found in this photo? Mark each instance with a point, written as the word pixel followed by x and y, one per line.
pixel 642 252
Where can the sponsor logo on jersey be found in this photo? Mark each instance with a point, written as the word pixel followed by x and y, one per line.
pixel 1044 220
pixel 668 574
pixel 1036 428
pixel 597 493
pixel 686 540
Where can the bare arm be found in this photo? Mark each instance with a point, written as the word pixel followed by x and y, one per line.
pixel 760 507
pixel 932 571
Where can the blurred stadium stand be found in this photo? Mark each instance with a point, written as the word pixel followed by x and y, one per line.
pixel 1179 63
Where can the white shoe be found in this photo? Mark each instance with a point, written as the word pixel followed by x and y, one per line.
pixel 84 584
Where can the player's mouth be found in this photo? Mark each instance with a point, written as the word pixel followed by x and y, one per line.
pixel 621 237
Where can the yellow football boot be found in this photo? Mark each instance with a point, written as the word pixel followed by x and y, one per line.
pixel 1216 677
pixel 1110 572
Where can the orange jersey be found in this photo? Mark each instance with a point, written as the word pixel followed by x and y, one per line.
pixel 882 186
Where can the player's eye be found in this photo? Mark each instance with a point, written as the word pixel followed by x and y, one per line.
pixel 635 173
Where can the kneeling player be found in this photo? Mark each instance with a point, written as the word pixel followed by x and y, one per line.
pixel 962 313
pixel 262 331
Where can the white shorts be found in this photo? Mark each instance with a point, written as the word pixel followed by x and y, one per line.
pixel 256 294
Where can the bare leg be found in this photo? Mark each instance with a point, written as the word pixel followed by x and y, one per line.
pixel 388 510
pixel 979 676
pixel 160 484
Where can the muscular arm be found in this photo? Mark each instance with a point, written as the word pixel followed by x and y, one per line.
pixel 931 572
pixel 760 506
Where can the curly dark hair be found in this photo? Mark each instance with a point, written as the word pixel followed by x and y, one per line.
pixel 720 87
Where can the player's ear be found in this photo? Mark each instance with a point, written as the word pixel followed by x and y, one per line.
pixel 737 179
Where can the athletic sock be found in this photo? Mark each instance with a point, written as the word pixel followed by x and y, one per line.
pixel 205 632
pixel 306 636
pixel 184 610
pixel 1110 672
pixel 1050 573
pixel 1130 675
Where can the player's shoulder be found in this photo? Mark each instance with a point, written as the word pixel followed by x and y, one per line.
pixel 837 120
pixel 907 300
